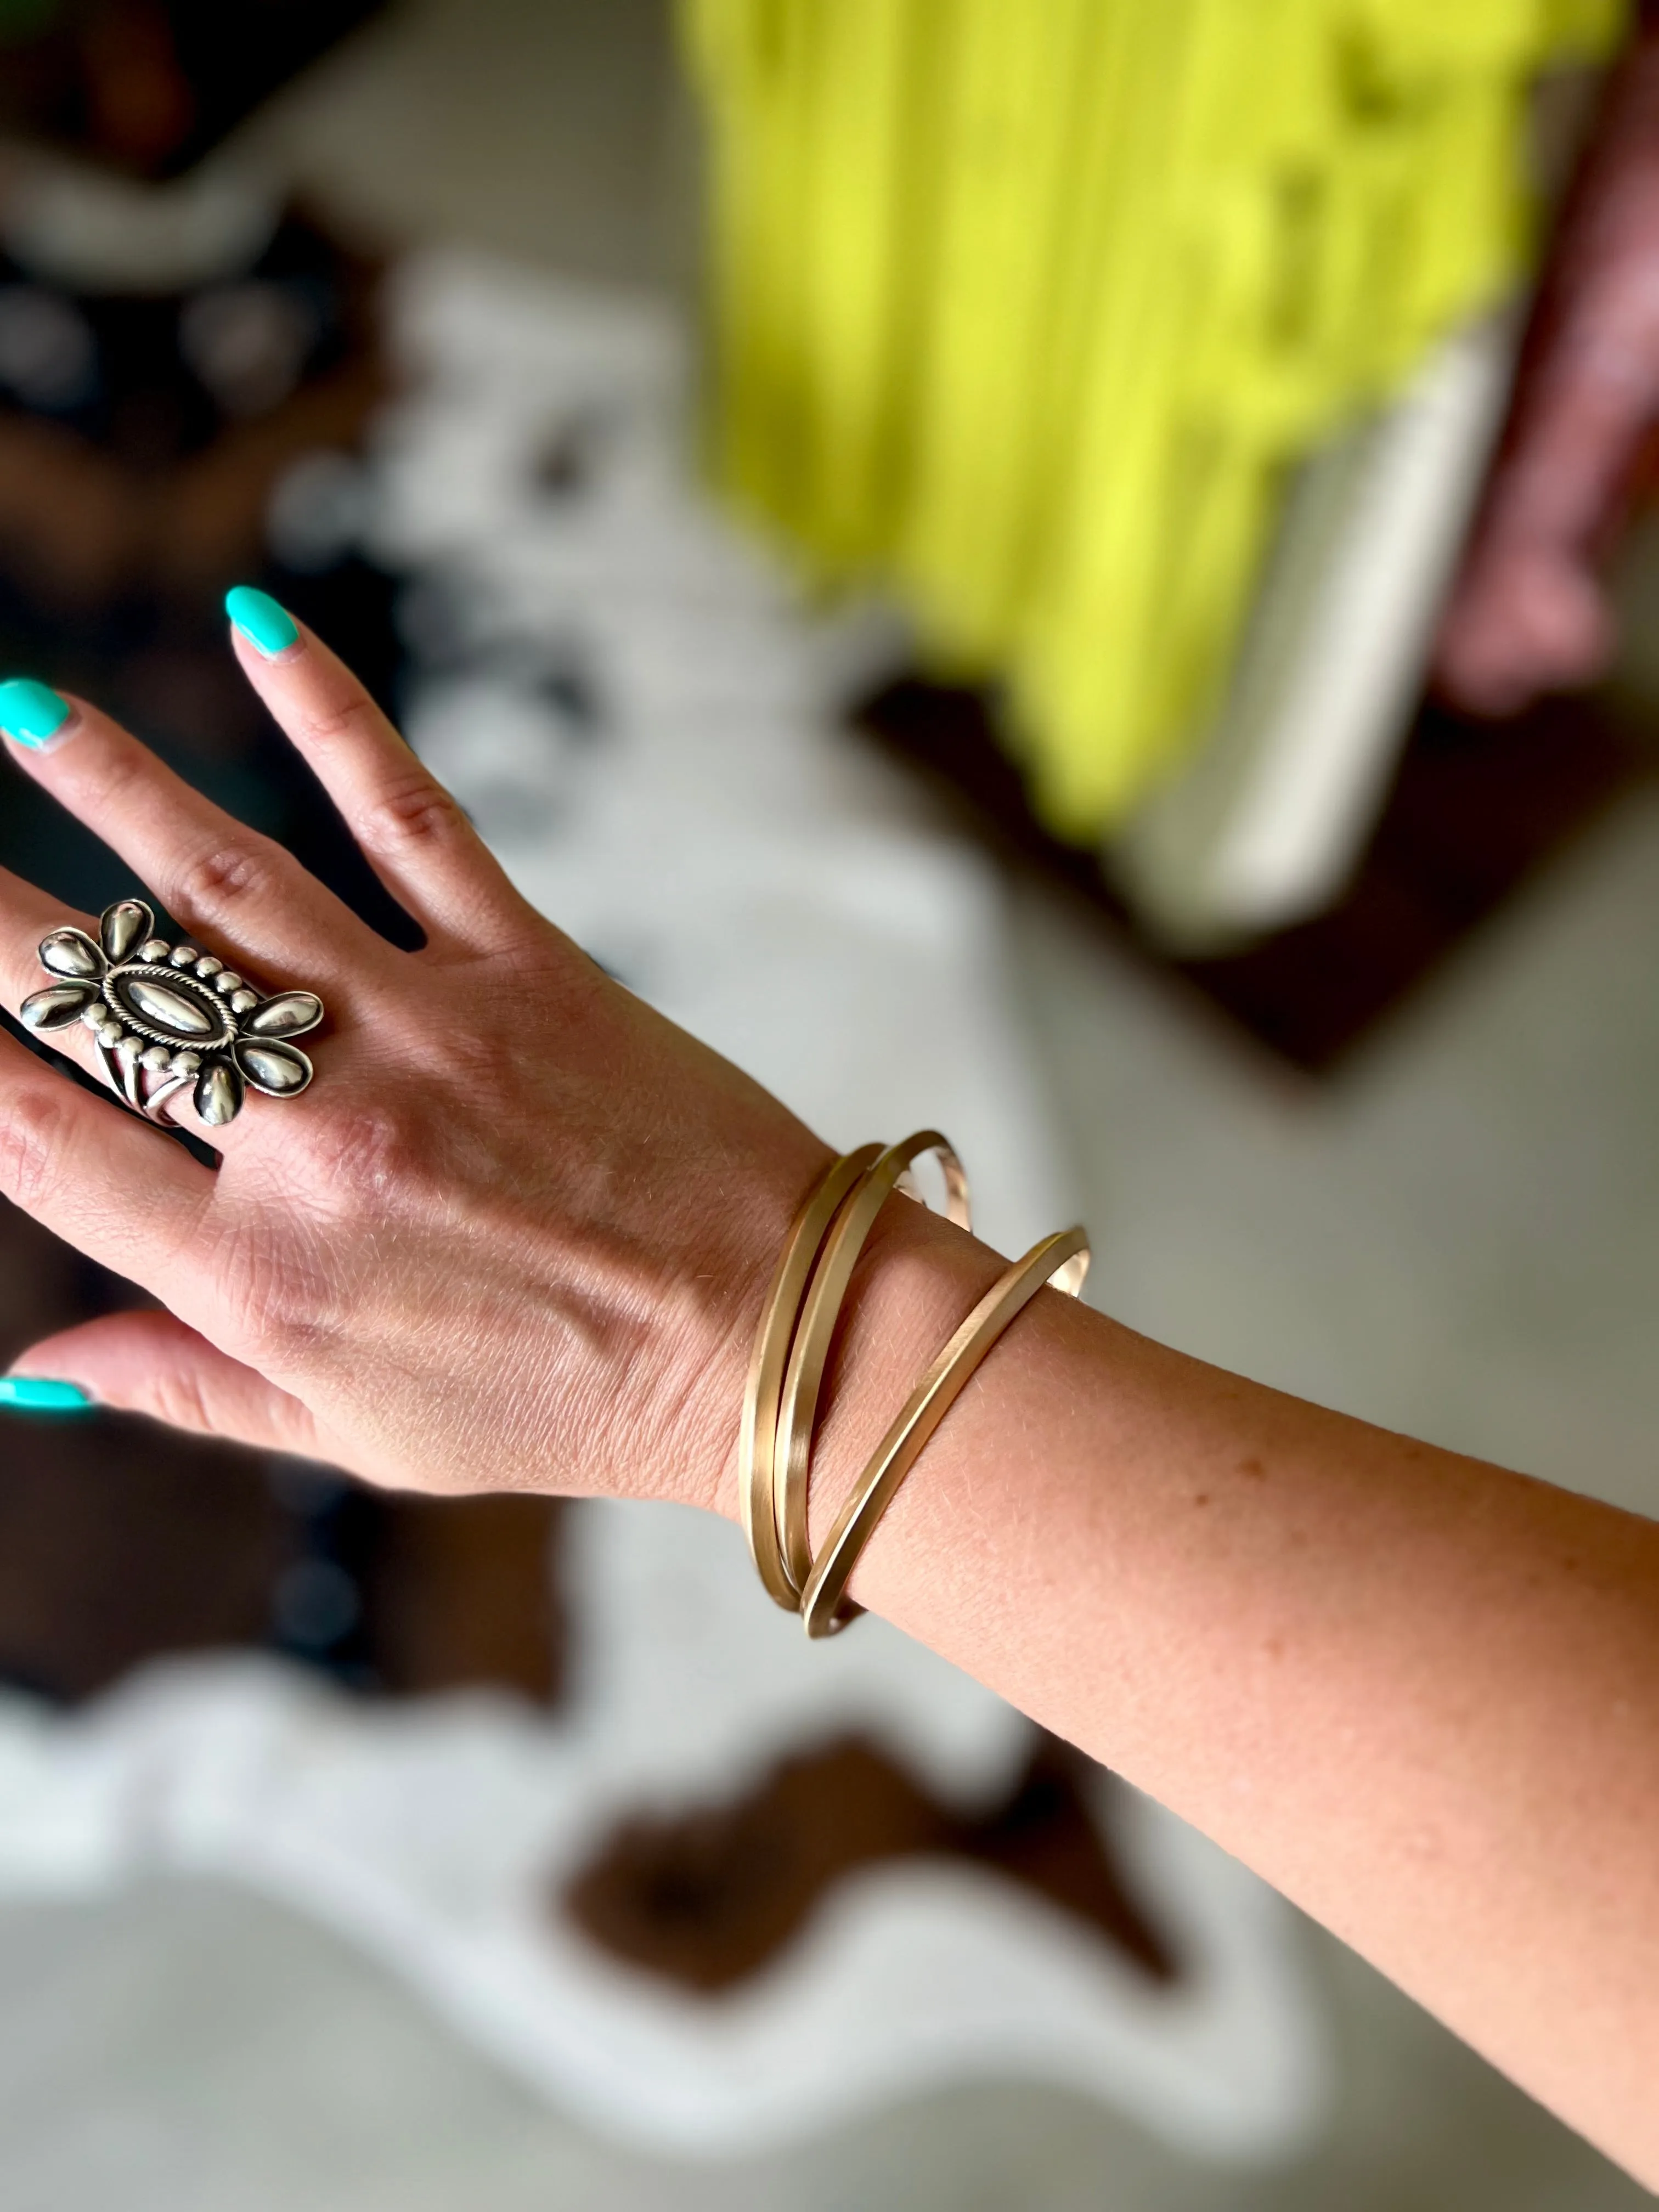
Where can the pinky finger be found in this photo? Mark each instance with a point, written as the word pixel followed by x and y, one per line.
pixel 148 1362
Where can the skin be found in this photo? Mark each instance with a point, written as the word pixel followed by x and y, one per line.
pixel 1530 611
pixel 518 1235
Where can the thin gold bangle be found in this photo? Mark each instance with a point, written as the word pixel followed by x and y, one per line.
pixel 825 1606
pixel 756 1489
pixel 814 1331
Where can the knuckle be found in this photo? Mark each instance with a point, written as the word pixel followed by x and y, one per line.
pixel 338 720
pixel 276 1294
pixel 362 1158
pixel 111 771
pixel 177 1398
pixel 34 1139
pixel 227 874
pixel 413 810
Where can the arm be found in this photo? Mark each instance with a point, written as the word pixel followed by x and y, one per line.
pixel 517 1235
pixel 1418 1694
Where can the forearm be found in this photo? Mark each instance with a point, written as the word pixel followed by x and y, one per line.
pixel 1418 1694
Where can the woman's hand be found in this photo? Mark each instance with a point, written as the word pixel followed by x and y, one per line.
pixel 516 1233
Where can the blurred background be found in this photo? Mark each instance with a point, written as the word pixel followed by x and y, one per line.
pixel 1084 575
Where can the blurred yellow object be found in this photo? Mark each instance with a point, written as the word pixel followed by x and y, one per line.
pixel 1022 309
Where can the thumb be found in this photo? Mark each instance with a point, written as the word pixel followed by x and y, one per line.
pixel 147 1362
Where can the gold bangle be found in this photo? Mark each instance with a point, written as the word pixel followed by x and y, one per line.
pixel 825 1608
pixel 814 1331
pixel 756 1438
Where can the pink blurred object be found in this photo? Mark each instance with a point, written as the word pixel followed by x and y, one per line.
pixel 1528 613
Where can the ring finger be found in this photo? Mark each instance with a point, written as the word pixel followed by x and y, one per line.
pixel 136 1068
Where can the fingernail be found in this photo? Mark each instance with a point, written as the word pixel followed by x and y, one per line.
pixel 266 625
pixel 30 713
pixel 40 1394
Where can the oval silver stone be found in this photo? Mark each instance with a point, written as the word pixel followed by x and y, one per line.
pixel 186 1016
pixel 290 1014
pixel 279 1070
pixel 71 952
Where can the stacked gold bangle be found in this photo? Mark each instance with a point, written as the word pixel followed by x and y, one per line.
pixel 792 1352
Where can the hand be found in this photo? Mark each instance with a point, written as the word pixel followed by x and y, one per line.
pixel 516 1233
pixel 1529 612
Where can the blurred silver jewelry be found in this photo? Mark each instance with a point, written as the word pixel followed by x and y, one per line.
pixel 167 1017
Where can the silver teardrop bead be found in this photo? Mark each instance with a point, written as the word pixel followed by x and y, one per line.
pixel 278 1070
pixel 291 1013
pixel 57 1006
pixel 218 1094
pixel 124 925
pixel 71 952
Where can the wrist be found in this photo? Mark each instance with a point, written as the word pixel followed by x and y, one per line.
pixel 917 1277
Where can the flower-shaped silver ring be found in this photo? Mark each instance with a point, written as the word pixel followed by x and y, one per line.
pixel 166 1015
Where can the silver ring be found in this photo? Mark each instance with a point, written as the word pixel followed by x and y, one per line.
pixel 166 1015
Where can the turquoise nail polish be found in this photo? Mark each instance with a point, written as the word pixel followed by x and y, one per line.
pixel 260 619
pixel 30 712
pixel 40 1394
